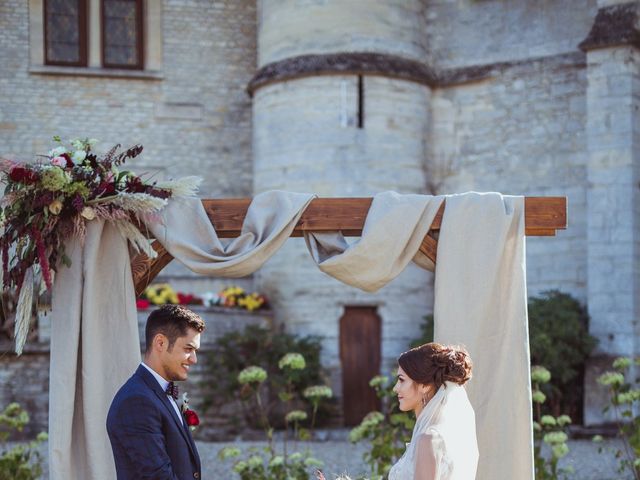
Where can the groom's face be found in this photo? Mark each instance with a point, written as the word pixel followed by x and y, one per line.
pixel 177 360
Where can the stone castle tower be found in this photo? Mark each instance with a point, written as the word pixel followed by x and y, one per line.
pixel 354 97
pixel 330 116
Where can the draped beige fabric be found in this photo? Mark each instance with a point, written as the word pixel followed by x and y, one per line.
pixel 481 302
pixel 95 344
pixel 94 333
pixel 94 348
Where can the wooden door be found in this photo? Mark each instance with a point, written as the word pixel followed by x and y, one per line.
pixel 360 336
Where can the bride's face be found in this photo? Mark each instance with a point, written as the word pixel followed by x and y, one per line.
pixel 409 392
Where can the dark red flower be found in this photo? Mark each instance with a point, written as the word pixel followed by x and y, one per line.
pixel 106 188
pixel 192 418
pixel 67 157
pixel 21 174
pixel 142 304
pixel 135 185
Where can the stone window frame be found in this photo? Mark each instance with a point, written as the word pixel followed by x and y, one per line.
pixel 152 46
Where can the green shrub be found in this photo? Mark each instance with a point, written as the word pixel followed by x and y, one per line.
pixel 22 461
pixel 261 347
pixel 388 430
pixel 426 332
pixel 560 340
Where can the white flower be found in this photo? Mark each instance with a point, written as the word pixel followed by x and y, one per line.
pixel 88 213
pixel 59 162
pixel 78 156
pixel 56 152
pixel 77 144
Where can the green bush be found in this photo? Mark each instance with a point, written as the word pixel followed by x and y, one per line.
pixel 388 430
pixel 426 331
pixel 261 347
pixel 22 461
pixel 560 340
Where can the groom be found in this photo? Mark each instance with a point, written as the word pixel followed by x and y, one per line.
pixel 149 435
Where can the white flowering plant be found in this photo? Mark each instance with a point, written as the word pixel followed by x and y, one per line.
pixel 271 463
pixel 624 401
pixel 548 430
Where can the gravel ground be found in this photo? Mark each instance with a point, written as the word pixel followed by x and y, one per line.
pixel 344 457
pixel 340 456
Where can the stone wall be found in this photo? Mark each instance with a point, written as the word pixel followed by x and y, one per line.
pixel 522 132
pixel 195 118
pixel 468 32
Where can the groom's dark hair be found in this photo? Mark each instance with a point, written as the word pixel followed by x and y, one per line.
pixel 172 321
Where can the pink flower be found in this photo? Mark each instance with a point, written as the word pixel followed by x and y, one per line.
pixel 59 162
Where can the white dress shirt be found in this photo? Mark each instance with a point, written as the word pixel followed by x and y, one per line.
pixel 164 384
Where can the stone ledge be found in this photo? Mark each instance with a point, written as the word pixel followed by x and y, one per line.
pixel 95 72
pixel 7 347
pixel 392 66
pixel 353 63
pixel 614 26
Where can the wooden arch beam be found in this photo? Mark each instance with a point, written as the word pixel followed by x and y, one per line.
pixel 543 216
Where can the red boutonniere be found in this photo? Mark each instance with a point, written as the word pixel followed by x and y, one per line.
pixel 190 416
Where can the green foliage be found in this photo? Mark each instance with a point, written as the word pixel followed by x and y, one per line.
pixel 560 340
pixel 426 331
pixel 22 461
pixel 259 346
pixel 548 430
pixel 624 400
pixel 265 464
pixel 262 465
pixel 387 431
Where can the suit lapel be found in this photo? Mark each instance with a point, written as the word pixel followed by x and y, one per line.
pixel 164 399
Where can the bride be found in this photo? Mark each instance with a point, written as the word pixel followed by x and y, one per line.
pixel 443 445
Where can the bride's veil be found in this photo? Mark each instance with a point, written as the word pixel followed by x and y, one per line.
pixel 449 415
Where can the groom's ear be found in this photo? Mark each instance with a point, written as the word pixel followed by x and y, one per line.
pixel 160 342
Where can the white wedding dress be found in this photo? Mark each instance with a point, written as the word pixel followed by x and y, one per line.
pixel 443 445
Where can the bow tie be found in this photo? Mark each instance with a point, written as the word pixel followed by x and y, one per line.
pixel 172 390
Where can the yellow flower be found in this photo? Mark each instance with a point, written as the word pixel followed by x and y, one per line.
pixel 55 207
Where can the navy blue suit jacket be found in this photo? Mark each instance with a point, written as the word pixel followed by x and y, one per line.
pixel 147 437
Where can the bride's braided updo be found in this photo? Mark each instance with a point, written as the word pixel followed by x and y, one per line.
pixel 433 363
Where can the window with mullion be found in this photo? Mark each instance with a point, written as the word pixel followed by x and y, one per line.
pixel 121 22
pixel 65 32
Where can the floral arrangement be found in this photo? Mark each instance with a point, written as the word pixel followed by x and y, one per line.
pixel 230 297
pixel 163 293
pixel 51 200
pixel 234 296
